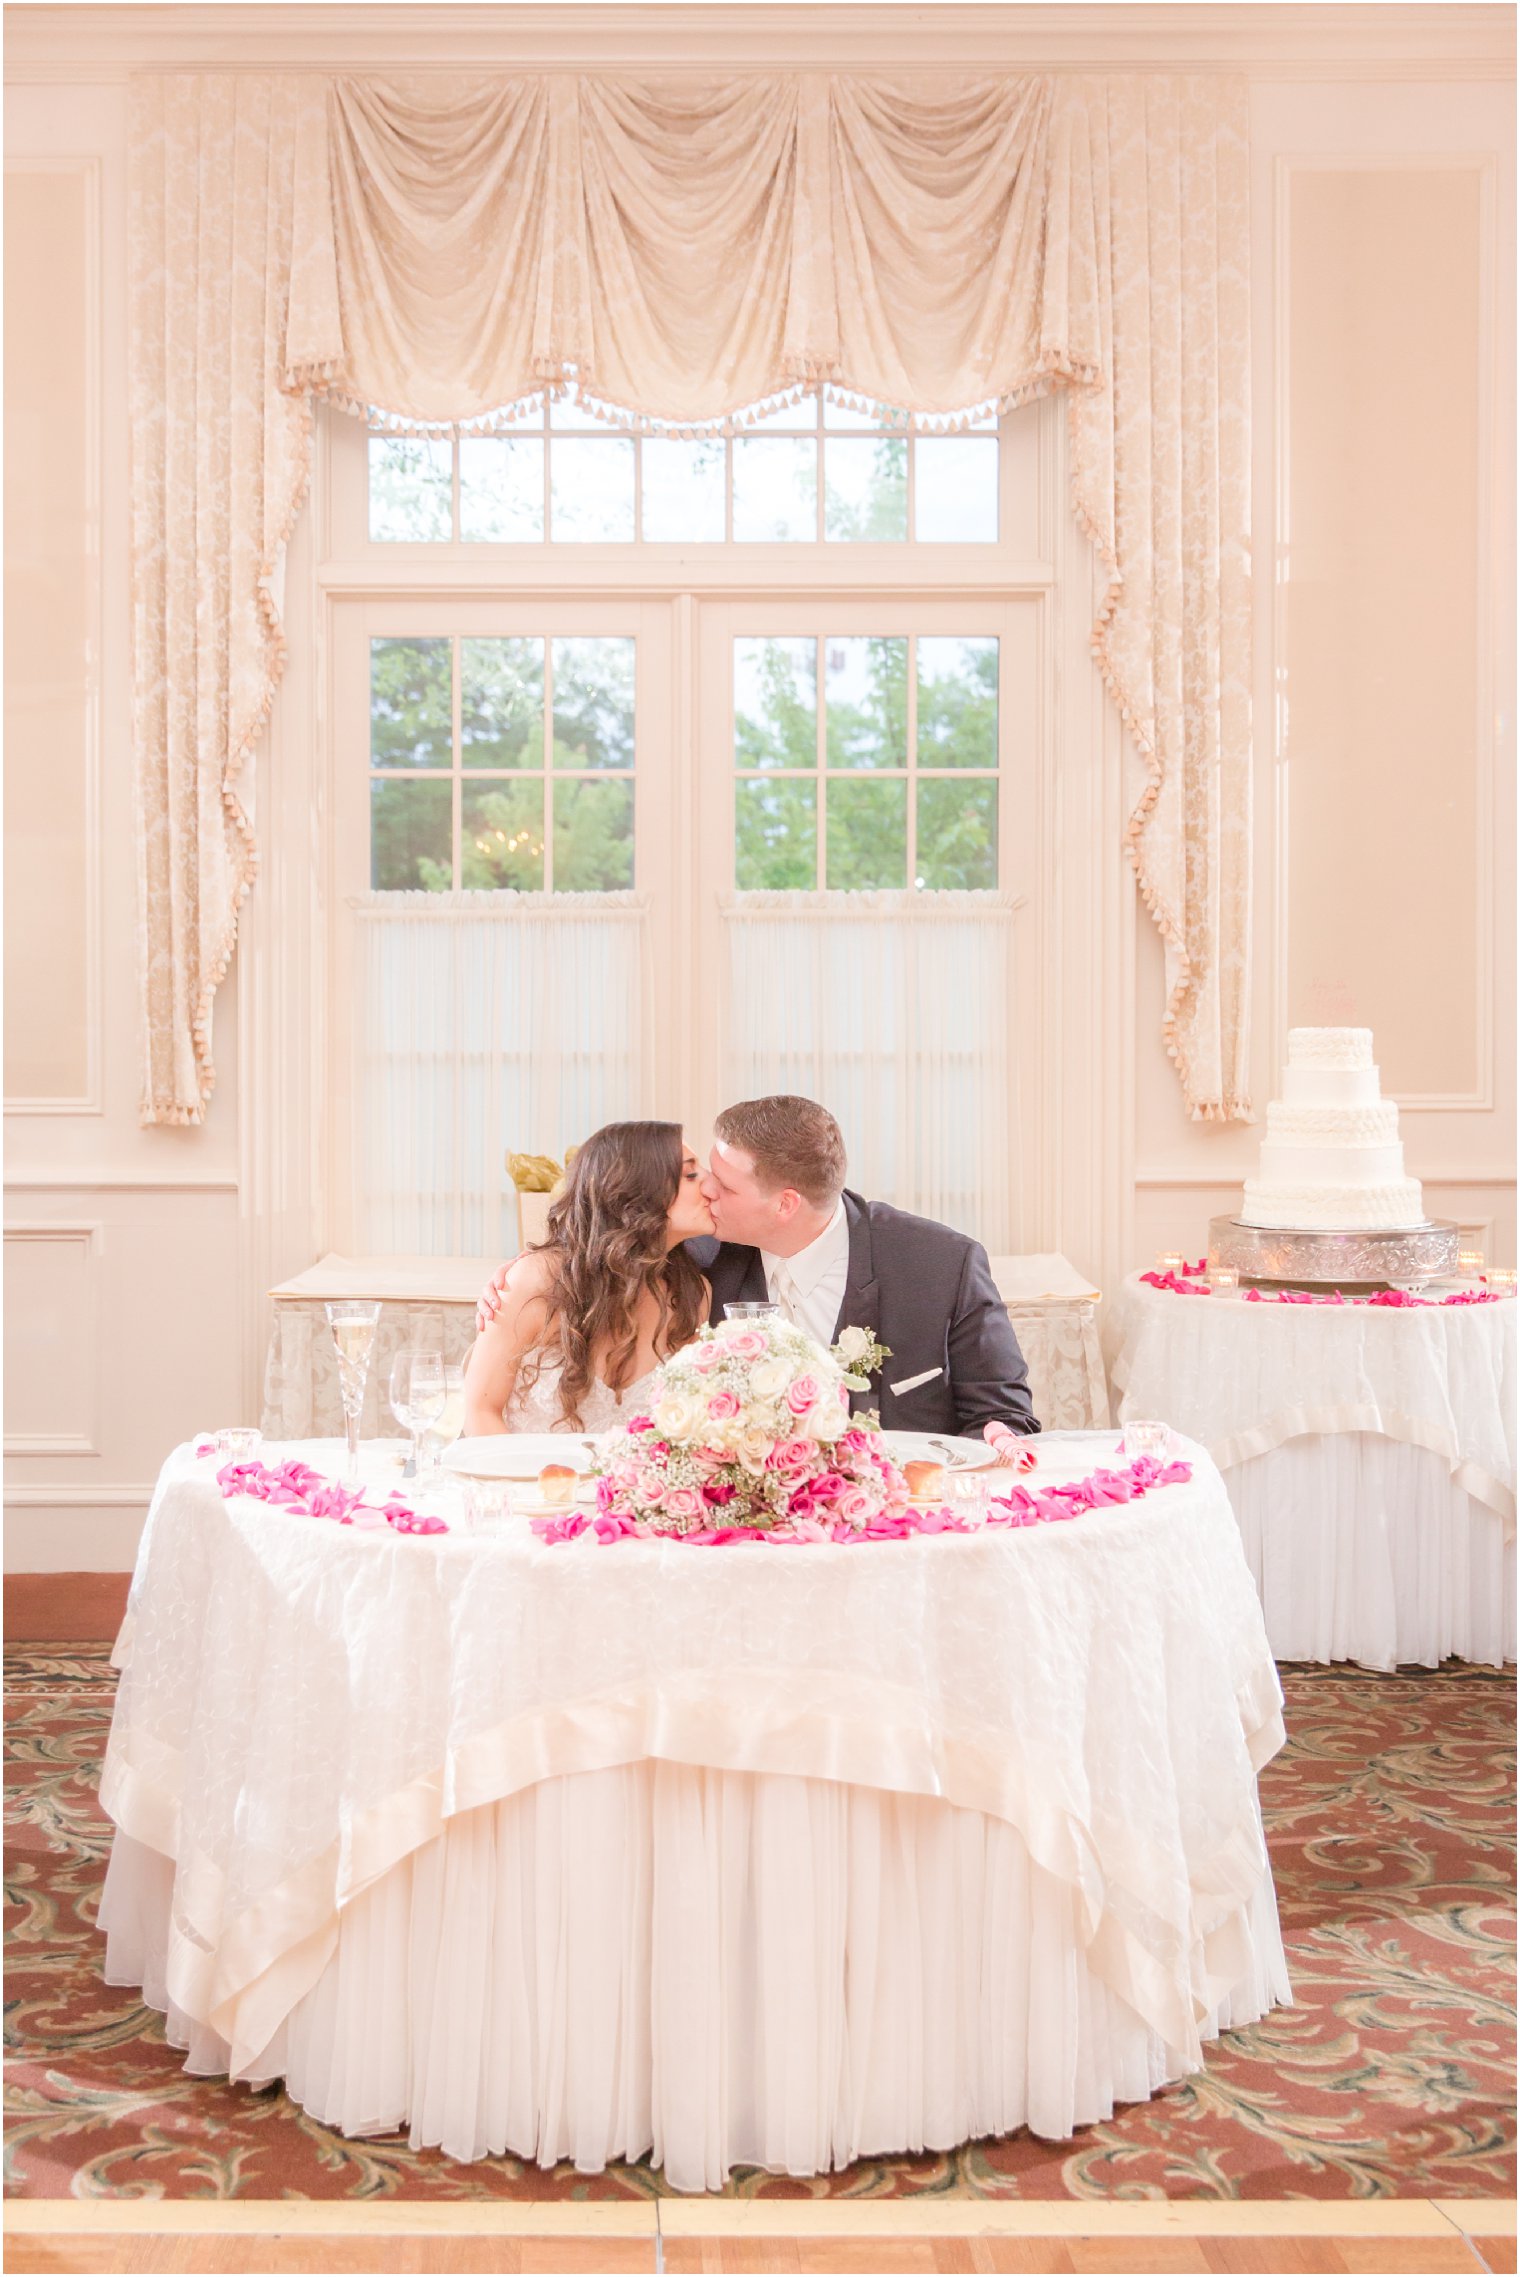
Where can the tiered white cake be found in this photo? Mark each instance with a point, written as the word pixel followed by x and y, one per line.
pixel 1332 1159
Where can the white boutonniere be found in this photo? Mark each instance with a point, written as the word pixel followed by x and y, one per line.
pixel 860 1356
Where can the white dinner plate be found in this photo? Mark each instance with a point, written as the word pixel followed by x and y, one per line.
pixel 957 1455
pixel 518 1454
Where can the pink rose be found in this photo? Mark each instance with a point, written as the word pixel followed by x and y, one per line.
pixel 747 1345
pixel 717 1494
pixel 640 1423
pixel 723 1404
pixel 683 1502
pixel 793 1458
pixel 856 1505
pixel 804 1392
pixel 828 1487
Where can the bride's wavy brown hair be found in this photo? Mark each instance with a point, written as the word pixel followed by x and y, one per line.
pixel 607 1237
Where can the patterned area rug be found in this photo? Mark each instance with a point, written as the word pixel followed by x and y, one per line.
pixel 1390 1818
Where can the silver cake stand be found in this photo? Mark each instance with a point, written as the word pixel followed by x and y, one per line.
pixel 1307 1258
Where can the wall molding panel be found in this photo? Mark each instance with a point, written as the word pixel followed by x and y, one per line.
pixel 71 1355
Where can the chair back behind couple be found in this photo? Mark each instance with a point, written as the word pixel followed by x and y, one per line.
pixel 647 1242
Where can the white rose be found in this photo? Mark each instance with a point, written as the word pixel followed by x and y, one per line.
pixel 853 1344
pixel 769 1377
pixel 677 1414
pixel 754 1446
pixel 828 1422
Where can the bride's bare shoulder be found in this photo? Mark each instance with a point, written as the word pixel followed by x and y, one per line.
pixel 533 1274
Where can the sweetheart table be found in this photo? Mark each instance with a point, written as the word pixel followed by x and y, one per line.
pixel 768 1856
pixel 1369 1454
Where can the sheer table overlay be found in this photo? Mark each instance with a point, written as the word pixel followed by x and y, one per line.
pixel 981 1810
pixel 1369 1456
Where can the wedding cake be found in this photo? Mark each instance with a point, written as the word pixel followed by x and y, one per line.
pixel 1332 1159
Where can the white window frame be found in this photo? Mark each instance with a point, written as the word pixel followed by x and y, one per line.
pixel 692 590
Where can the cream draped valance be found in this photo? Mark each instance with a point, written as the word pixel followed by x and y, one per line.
pixel 443 250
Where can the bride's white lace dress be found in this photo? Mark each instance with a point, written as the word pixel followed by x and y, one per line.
pixel 539 1407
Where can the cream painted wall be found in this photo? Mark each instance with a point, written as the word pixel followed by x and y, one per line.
pixel 140 1258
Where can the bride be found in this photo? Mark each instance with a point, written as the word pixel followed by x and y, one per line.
pixel 588 1314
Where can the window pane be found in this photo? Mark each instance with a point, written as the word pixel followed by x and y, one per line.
pixel 955 489
pixel 683 491
pixel 957 834
pixel 593 703
pixel 957 703
pixel 868 835
pixel 501 488
pixel 411 719
pixel 501 834
pixel 775 488
pixel 591 488
pixel 501 703
pixel 866 701
pixel 593 837
pixel 411 837
pixel 411 488
pixel 775 835
pixel 776 703
pixel 867 488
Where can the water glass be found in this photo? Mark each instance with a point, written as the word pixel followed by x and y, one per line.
pixel 417 1397
pixel 765 1310
pixel 1153 1439
pixel 353 1326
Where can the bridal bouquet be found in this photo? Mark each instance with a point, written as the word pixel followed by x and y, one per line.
pixel 750 1427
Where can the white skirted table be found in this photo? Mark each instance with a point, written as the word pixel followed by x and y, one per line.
pixel 775 1856
pixel 1369 1455
pixel 432 1300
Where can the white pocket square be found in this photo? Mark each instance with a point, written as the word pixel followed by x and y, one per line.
pixel 911 1383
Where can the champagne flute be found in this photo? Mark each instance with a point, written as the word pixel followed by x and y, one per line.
pixel 451 1422
pixel 353 1328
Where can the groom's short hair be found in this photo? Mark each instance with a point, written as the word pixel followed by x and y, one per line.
pixel 792 1142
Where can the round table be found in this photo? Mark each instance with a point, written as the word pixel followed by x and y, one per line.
pixel 1369 1453
pixel 772 1856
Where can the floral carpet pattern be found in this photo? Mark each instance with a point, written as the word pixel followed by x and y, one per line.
pixel 1391 1823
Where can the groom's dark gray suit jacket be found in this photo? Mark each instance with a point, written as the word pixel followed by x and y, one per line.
pixel 928 1294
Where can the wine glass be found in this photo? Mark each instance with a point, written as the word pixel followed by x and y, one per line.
pixel 353 1328
pixel 417 1398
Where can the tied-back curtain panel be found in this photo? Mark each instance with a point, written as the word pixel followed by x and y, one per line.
pixel 443 251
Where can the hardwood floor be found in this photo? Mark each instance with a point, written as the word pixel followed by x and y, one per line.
pixel 733 2237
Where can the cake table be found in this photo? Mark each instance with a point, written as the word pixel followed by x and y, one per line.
pixel 1369 1455
pixel 782 1856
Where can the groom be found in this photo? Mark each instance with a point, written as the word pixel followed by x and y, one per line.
pixel 790 1230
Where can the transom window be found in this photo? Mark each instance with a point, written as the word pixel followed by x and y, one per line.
pixel 501 761
pixel 806 473
pixel 866 761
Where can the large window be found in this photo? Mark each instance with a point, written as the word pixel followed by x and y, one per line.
pixel 670 772
pixel 805 473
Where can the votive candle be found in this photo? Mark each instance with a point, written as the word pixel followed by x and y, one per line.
pixel 1223 1280
pixel 1501 1281
pixel 1153 1439
pixel 1170 1261
pixel 1470 1261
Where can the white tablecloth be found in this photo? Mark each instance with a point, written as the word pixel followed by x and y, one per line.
pixel 1369 1454
pixel 783 1855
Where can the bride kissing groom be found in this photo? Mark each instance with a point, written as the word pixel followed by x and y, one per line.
pixel 645 1244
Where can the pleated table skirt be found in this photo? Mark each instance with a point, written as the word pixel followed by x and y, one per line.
pixel 718 1968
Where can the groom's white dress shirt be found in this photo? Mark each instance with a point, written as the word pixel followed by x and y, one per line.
pixel 810 1286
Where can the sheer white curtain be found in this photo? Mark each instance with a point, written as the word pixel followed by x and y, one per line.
pixel 894 1010
pixel 486 1023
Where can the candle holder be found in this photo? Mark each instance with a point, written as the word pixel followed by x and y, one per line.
pixel 1470 1264
pixel 1170 1261
pixel 1224 1281
pixel 1154 1439
pixel 1500 1280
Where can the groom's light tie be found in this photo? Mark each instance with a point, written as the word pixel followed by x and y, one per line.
pixel 784 1292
